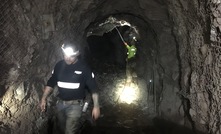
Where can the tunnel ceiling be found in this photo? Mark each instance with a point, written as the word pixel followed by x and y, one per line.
pixel 178 40
pixel 108 25
pixel 106 40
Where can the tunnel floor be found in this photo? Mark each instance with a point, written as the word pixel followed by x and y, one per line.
pixel 129 119
pixel 119 119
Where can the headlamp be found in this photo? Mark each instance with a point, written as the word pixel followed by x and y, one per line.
pixel 69 51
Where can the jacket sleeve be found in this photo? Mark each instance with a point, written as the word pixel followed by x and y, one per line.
pixel 52 82
pixel 90 81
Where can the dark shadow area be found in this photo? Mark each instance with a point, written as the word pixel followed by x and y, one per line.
pixel 167 127
pixel 2 91
pixel 109 48
pixel 119 130
pixel 159 126
pixel 5 70
pixel 129 119
pixel 4 129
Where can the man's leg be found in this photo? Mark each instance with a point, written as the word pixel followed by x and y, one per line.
pixel 60 118
pixel 73 114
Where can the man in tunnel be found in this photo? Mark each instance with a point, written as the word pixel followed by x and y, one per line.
pixel 131 51
pixel 73 77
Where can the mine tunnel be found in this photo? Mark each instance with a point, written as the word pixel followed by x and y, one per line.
pixel 171 85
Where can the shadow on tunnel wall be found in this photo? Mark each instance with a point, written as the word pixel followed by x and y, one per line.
pixel 2 91
pixel 5 68
pixel 2 86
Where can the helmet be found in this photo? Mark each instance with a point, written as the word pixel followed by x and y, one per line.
pixel 70 50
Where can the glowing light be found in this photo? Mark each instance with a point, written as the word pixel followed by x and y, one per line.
pixel 69 51
pixel 127 94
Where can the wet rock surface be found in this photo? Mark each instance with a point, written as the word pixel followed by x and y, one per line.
pixel 182 38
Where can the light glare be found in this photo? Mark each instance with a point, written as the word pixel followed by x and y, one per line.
pixel 128 93
pixel 68 51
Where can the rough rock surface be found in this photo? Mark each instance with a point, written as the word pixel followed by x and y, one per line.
pixel 178 50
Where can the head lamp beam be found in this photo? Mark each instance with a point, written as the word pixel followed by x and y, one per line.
pixel 69 51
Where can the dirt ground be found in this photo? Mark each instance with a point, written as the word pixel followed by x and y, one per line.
pixel 128 119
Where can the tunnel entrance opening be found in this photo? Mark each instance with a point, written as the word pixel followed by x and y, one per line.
pixel 110 42
pixel 109 48
pixel 110 56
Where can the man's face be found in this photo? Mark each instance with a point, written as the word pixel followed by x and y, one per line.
pixel 70 59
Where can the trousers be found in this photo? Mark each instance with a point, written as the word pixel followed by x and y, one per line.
pixel 68 115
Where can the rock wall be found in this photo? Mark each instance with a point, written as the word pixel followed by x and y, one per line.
pixel 180 45
pixel 197 29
